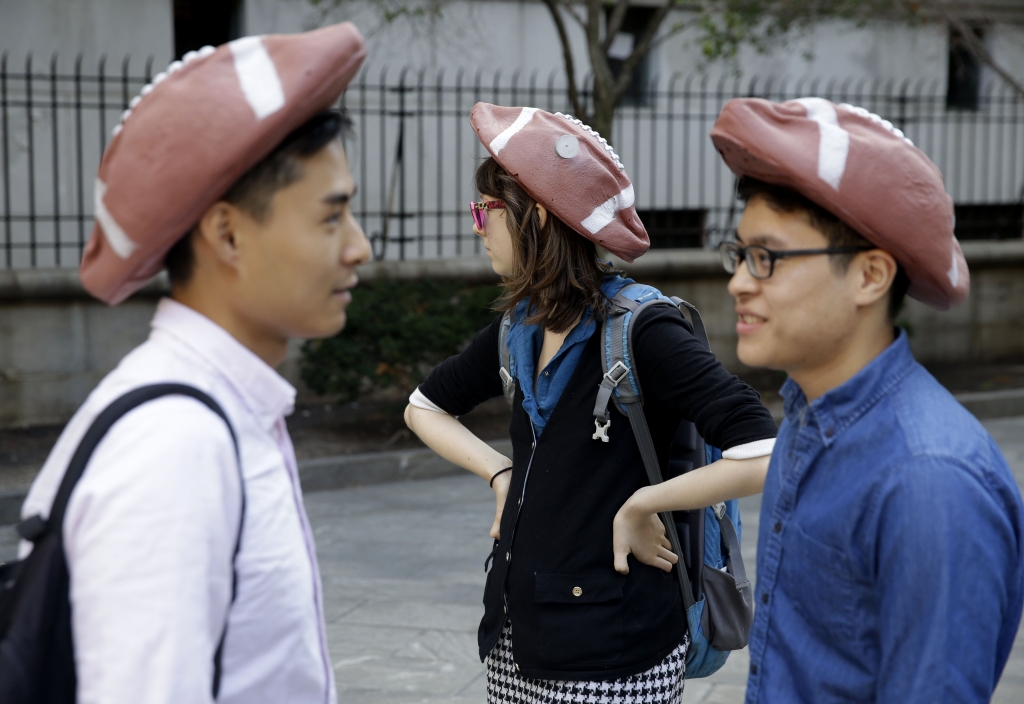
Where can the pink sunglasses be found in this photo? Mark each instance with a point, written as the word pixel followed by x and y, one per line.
pixel 479 211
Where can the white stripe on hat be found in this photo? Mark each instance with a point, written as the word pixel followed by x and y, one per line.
pixel 954 271
pixel 117 238
pixel 258 76
pixel 834 141
pixel 606 212
pixel 499 142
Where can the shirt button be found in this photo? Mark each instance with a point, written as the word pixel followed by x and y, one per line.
pixel 517 666
pixel 508 556
pixel 534 445
pixel 506 609
pixel 829 432
pixel 545 373
pixel 778 527
pixel 764 598
pixel 577 591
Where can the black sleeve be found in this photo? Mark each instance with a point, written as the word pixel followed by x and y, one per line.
pixel 678 374
pixel 463 381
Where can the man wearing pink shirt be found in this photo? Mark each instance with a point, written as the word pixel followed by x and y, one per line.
pixel 193 574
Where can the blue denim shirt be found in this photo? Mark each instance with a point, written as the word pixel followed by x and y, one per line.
pixel 890 561
pixel 524 345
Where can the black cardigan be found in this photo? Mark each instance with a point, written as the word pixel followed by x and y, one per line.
pixel 574 617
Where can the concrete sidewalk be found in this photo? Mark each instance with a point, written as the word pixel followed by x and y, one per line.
pixel 403 577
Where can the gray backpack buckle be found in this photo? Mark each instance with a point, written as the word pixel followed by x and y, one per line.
pixel 601 431
pixel 617 373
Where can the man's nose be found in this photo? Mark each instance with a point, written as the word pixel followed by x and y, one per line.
pixel 356 250
pixel 742 283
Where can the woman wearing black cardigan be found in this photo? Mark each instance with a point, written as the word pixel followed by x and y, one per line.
pixel 562 621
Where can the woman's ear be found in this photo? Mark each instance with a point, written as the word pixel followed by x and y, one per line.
pixel 542 214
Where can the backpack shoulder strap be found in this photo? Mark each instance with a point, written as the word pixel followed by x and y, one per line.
pixel 95 434
pixel 698 323
pixel 616 355
pixel 508 381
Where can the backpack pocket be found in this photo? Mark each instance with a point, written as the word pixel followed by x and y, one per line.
pixel 579 618
pixel 730 613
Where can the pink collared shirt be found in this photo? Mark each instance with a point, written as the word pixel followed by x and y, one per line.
pixel 150 531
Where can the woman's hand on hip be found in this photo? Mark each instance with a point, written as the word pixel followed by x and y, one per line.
pixel 641 533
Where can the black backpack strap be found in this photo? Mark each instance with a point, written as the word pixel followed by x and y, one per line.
pixel 95 434
pixel 505 369
pixel 635 412
pixel 698 323
pixel 616 359
pixel 731 543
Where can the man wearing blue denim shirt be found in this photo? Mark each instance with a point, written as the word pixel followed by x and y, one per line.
pixel 891 547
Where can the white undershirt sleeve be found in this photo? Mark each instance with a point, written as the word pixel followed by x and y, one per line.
pixel 750 450
pixel 418 400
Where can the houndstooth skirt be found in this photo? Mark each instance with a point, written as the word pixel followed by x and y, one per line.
pixel 662 684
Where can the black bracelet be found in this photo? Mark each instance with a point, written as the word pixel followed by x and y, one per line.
pixel 500 471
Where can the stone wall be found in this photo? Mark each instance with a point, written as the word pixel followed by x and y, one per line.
pixel 56 343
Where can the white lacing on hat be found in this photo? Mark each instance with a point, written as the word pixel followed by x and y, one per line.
pixel 157 80
pixel 877 120
pixel 599 138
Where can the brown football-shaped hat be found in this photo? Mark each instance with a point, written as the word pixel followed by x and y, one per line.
pixel 862 170
pixel 569 169
pixel 193 132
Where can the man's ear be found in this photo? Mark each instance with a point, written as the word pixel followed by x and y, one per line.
pixel 542 214
pixel 217 232
pixel 875 271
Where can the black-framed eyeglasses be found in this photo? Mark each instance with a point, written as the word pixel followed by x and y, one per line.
pixel 761 260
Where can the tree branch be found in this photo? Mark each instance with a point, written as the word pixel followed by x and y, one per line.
pixel 614 24
pixel 579 20
pixel 570 66
pixel 673 31
pixel 980 51
pixel 642 48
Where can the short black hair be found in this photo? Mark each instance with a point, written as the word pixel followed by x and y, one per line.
pixel 255 190
pixel 836 231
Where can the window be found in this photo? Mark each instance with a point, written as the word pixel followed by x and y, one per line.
pixel 1000 221
pixel 674 229
pixel 633 26
pixel 964 82
pixel 201 22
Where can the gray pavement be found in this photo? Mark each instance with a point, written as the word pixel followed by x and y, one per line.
pixel 402 567
pixel 403 574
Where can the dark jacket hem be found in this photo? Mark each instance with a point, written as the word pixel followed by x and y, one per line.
pixel 609 673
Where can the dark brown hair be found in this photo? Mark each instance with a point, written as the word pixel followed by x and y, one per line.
pixel 837 232
pixel 555 267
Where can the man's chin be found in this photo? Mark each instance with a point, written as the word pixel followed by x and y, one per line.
pixel 754 354
pixel 327 327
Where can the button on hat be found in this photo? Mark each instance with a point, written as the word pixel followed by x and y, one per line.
pixel 861 169
pixel 569 169
pixel 191 133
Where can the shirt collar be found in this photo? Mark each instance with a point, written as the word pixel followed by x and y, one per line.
pixel 841 407
pixel 263 390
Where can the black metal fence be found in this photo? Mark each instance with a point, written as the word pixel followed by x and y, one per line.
pixel 414 153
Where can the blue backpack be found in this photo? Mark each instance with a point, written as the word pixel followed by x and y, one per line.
pixel 712 579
